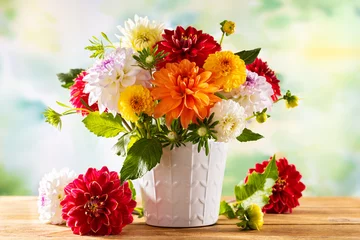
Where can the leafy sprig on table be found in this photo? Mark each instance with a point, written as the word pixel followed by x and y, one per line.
pixel 251 197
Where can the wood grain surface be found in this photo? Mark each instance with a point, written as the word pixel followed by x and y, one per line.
pixel 317 218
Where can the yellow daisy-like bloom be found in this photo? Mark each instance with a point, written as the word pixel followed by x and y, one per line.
pixel 140 33
pixel 135 100
pixel 229 70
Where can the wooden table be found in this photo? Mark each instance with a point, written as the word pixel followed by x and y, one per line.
pixel 332 218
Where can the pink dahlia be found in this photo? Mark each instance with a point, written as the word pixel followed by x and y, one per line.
pixel 287 189
pixel 188 44
pixel 97 204
pixel 262 69
pixel 77 93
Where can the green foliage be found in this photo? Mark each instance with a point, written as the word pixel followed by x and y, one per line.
pixel 249 56
pixel 143 156
pixel 173 137
pixel 11 184
pixel 97 46
pixel 258 187
pixel 139 211
pixel 221 96
pixel 53 118
pixel 251 197
pixel 149 58
pixel 67 79
pixel 121 146
pixel 226 210
pixel 104 125
pixel 202 132
pixel 247 135
pixel 133 191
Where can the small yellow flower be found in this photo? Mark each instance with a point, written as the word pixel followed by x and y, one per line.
pixel 228 27
pixel 135 100
pixel 229 70
pixel 255 217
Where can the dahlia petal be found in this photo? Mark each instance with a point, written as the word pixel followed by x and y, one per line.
pixel 166 105
pixel 90 175
pixel 80 184
pixel 95 188
pixel 186 117
pixel 84 229
pixel 112 204
pixel 95 224
pixel 76 192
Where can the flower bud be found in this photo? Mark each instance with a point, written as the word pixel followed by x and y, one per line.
pixel 255 217
pixel 291 101
pixel 202 131
pixel 261 117
pixel 172 136
pixel 149 59
pixel 228 27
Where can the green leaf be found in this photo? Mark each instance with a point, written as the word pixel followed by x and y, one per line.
pixel 133 191
pixel 249 56
pixel 121 146
pixel 259 186
pixel 139 211
pixel 53 118
pixel 143 156
pixel 104 125
pixel 62 105
pixel 247 135
pixel 67 79
pixel 226 210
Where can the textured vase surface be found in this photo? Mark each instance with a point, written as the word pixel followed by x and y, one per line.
pixel 184 190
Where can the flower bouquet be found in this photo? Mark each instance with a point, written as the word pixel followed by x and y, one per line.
pixel 174 98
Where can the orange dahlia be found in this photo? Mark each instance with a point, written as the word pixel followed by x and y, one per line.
pixel 184 91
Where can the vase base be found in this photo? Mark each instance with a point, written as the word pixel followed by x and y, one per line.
pixel 179 226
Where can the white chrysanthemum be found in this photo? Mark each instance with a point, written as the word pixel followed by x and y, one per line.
pixel 141 33
pixel 110 76
pixel 254 95
pixel 51 193
pixel 231 117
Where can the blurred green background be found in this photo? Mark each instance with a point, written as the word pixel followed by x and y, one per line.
pixel 313 45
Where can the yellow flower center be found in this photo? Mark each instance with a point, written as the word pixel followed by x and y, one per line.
pixel 136 103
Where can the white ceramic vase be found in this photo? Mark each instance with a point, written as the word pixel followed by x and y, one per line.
pixel 184 190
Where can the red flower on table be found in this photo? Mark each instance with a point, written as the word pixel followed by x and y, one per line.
pixel 262 69
pixel 287 189
pixel 97 204
pixel 188 44
pixel 77 94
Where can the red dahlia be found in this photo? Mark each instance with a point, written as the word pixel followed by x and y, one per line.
pixel 97 204
pixel 262 69
pixel 188 44
pixel 287 189
pixel 77 93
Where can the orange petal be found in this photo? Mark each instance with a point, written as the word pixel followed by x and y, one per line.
pixel 160 93
pixel 189 101
pixel 165 105
pixel 204 98
pixel 186 117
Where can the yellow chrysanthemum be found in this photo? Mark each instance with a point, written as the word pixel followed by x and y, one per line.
pixel 135 100
pixel 140 33
pixel 229 70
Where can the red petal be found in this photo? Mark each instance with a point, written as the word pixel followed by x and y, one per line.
pixel 96 224
pixel 95 189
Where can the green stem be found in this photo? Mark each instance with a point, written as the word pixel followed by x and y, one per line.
pixel 158 124
pixel 247 119
pixel 222 38
pixel 75 109
pixel 279 100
